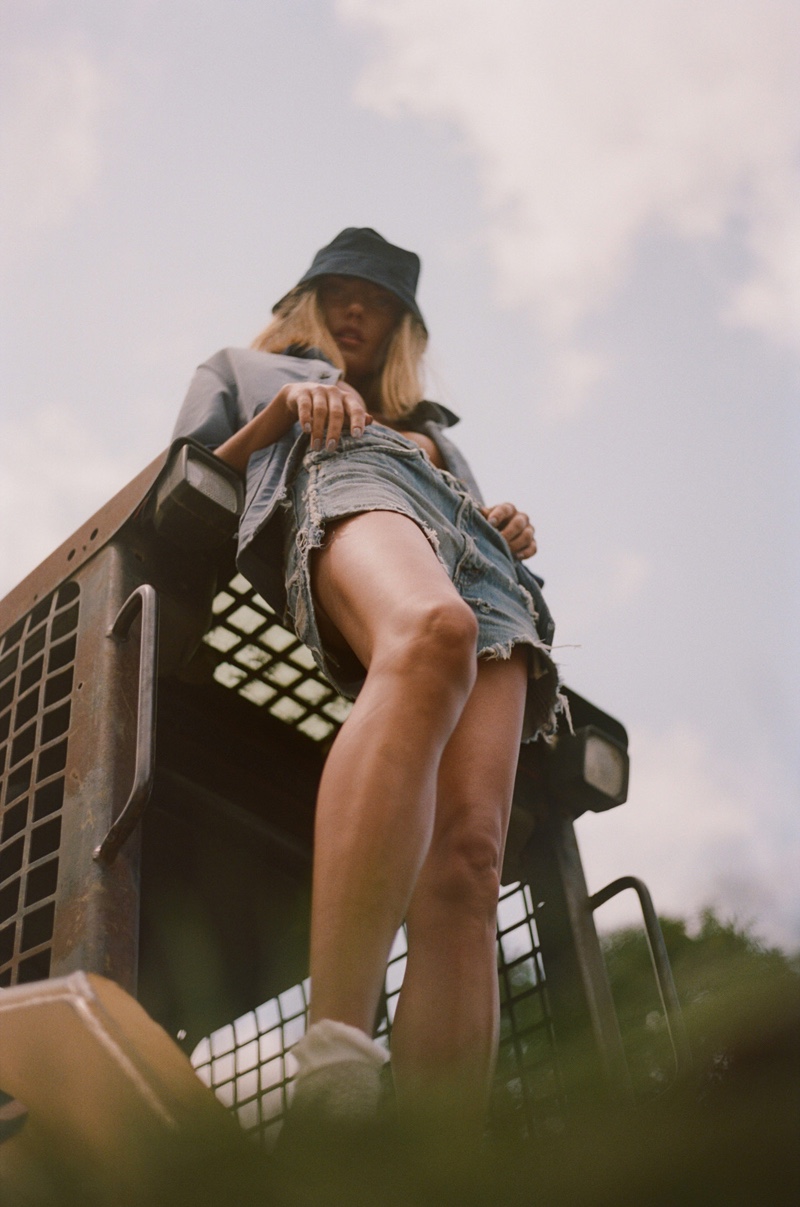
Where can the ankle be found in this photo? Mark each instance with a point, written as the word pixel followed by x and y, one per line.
pixel 329 1042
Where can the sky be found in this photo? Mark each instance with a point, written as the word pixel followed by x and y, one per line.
pixel 606 200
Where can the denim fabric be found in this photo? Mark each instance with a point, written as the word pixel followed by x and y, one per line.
pixel 227 391
pixel 385 471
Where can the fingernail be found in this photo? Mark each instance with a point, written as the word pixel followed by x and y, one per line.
pixel 316 444
pixel 356 431
pixel 306 428
pixel 331 444
pixel 493 520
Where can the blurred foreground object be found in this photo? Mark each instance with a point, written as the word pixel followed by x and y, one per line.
pixel 104 1091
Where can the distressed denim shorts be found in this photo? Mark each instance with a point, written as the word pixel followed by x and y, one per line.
pixel 384 471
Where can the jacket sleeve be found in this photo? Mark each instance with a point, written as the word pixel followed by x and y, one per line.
pixel 210 411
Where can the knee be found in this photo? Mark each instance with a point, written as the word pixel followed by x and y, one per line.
pixel 441 635
pixel 466 872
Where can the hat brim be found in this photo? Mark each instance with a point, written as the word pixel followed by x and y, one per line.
pixel 364 272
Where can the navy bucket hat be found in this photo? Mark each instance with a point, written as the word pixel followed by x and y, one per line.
pixel 359 251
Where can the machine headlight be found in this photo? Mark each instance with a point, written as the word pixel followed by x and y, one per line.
pixel 589 770
pixel 199 499
pixel 605 767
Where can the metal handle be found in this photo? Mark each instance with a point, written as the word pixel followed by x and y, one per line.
pixel 662 969
pixel 143 600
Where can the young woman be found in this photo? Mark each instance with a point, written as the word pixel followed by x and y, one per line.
pixel 364 527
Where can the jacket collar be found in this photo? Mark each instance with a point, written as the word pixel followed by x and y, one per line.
pixel 427 411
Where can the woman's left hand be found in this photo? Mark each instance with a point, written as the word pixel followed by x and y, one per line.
pixel 514 526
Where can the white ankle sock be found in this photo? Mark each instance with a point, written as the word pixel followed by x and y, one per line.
pixel 329 1042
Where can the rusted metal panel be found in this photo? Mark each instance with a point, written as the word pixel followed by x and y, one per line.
pixel 98 907
pixel 83 545
pixel 37 700
pixel 60 911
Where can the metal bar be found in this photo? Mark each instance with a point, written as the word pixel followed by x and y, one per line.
pixel 143 600
pixel 96 924
pixel 662 969
pixel 588 1038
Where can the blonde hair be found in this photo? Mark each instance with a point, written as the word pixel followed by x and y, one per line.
pixel 299 321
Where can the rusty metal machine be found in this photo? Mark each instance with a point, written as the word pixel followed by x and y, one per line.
pixel 162 735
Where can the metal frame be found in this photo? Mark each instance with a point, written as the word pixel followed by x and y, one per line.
pixel 662 969
pixel 584 1017
pixel 155 895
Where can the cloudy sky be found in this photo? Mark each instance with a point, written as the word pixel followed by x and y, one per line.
pixel 606 199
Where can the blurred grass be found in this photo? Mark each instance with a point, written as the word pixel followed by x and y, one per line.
pixel 728 1135
pixel 725 978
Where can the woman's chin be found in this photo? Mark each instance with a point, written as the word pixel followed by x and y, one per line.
pixel 358 378
pixel 354 365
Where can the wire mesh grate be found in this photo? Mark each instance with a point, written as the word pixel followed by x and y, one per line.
pixel 36 687
pixel 527 1094
pixel 248 1064
pixel 262 661
pixel 250 1068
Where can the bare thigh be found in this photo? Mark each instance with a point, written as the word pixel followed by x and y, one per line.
pixel 373 570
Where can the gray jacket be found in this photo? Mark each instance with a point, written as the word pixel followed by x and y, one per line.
pixel 233 386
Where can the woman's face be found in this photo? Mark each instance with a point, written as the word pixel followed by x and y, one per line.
pixel 360 316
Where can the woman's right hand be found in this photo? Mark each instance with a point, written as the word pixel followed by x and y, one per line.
pixel 322 410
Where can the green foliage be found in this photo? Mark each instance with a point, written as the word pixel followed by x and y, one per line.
pixel 726 979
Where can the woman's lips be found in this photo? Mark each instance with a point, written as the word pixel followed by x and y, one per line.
pixel 350 339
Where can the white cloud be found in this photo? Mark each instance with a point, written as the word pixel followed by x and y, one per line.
pixel 593 124
pixel 53 476
pixel 769 300
pixel 701 829
pixel 53 103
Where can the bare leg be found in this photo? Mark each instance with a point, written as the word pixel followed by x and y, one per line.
pixel 382 586
pixel 445 1031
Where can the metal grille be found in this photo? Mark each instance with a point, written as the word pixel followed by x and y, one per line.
pixel 265 663
pixel 248 1064
pixel 37 660
pixel 527 1095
